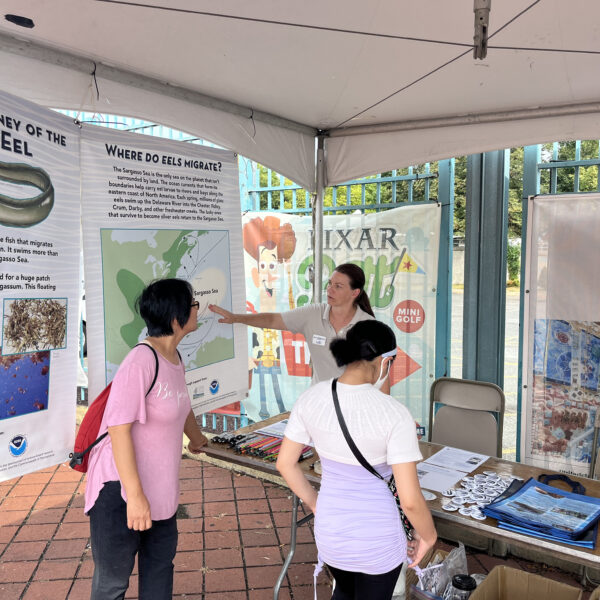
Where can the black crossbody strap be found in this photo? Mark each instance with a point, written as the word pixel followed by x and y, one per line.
pixel 156 360
pixel 338 411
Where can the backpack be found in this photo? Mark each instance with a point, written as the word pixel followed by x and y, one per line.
pixel 87 436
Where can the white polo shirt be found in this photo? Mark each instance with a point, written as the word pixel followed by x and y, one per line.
pixel 312 321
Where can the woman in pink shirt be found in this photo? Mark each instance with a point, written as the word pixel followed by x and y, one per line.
pixel 132 489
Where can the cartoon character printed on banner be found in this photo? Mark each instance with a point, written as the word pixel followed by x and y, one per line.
pixel 271 244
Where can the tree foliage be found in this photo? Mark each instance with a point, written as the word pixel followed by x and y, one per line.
pixel 567 180
pixel 372 191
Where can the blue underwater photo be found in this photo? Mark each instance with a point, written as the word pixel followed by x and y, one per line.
pixel 24 383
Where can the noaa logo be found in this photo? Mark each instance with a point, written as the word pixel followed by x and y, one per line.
pixel 18 445
pixel 214 386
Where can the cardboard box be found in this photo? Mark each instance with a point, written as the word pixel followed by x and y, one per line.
pixel 505 583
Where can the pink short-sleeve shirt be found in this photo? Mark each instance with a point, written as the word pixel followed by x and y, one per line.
pixel 157 427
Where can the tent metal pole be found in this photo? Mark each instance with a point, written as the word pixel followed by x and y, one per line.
pixel 564 110
pixel 318 222
pixel 67 60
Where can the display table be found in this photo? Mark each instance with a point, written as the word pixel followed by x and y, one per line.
pixel 488 528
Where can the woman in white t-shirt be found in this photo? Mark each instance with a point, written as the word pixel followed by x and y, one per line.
pixel 358 530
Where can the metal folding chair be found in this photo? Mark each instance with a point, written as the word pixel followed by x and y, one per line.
pixel 467 414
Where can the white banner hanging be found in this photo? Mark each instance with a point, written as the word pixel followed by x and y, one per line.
pixel 398 251
pixel 561 349
pixel 39 285
pixel 154 209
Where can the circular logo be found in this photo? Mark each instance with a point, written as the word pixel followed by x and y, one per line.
pixel 18 445
pixel 409 316
pixel 214 386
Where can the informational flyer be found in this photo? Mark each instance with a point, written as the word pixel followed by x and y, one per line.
pixel 39 286
pixel 438 479
pixel 156 209
pixel 457 459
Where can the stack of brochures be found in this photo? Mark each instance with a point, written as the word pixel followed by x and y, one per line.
pixel 544 511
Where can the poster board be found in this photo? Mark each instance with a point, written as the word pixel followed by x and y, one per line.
pixel 561 348
pixel 39 285
pixel 398 251
pixel 152 209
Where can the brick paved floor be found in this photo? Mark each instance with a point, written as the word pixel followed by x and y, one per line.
pixel 233 532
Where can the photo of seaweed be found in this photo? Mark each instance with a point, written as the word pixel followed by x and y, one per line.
pixel 33 324
pixel 24 384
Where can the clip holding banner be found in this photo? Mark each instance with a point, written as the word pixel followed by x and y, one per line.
pixel 481 8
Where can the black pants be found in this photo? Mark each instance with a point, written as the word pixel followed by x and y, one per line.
pixel 114 547
pixel 350 585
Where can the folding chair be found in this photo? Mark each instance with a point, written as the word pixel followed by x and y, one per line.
pixel 466 414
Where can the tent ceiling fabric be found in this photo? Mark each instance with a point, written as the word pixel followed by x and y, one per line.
pixel 317 79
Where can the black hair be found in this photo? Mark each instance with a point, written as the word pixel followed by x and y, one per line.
pixel 357 282
pixel 364 341
pixel 162 301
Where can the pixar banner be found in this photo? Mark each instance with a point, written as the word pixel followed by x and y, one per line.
pixel 398 251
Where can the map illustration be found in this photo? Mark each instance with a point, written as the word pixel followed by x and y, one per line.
pixel 132 258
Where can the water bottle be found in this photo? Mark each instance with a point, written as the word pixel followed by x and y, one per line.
pixel 462 587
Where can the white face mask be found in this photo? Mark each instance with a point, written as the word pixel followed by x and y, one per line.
pixel 383 377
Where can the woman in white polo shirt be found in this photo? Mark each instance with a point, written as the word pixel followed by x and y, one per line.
pixel 347 304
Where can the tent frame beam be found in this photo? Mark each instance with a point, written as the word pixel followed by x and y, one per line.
pixel 562 110
pixel 317 218
pixel 67 60
pixel 73 62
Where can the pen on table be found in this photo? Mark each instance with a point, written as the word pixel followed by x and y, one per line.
pixel 245 440
pixel 271 450
pixel 252 444
pixel 258 446
pixel 267 449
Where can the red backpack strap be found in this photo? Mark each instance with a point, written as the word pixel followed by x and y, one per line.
pixel 79 459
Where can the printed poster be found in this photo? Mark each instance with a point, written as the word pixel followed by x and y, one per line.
pixel 560 393
pixel 155 209
pixel 398 251
pixel 39 286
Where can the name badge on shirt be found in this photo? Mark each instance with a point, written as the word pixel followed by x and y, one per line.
pixel 319 340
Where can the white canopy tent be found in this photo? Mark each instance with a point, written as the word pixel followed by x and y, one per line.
pixel 386 83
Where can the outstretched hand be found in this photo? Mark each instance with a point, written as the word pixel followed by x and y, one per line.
pixel 227 317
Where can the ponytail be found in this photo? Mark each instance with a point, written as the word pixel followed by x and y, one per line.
pixel 366 340
pixel 362 300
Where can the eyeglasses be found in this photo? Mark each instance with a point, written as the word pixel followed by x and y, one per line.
pixel 196 304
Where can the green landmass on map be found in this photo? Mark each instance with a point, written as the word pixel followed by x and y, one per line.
pixel 212 352
pixel 127 267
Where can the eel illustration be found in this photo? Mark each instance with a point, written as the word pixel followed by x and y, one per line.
pixel 25 212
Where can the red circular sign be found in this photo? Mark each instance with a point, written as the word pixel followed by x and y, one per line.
pixel 409 316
